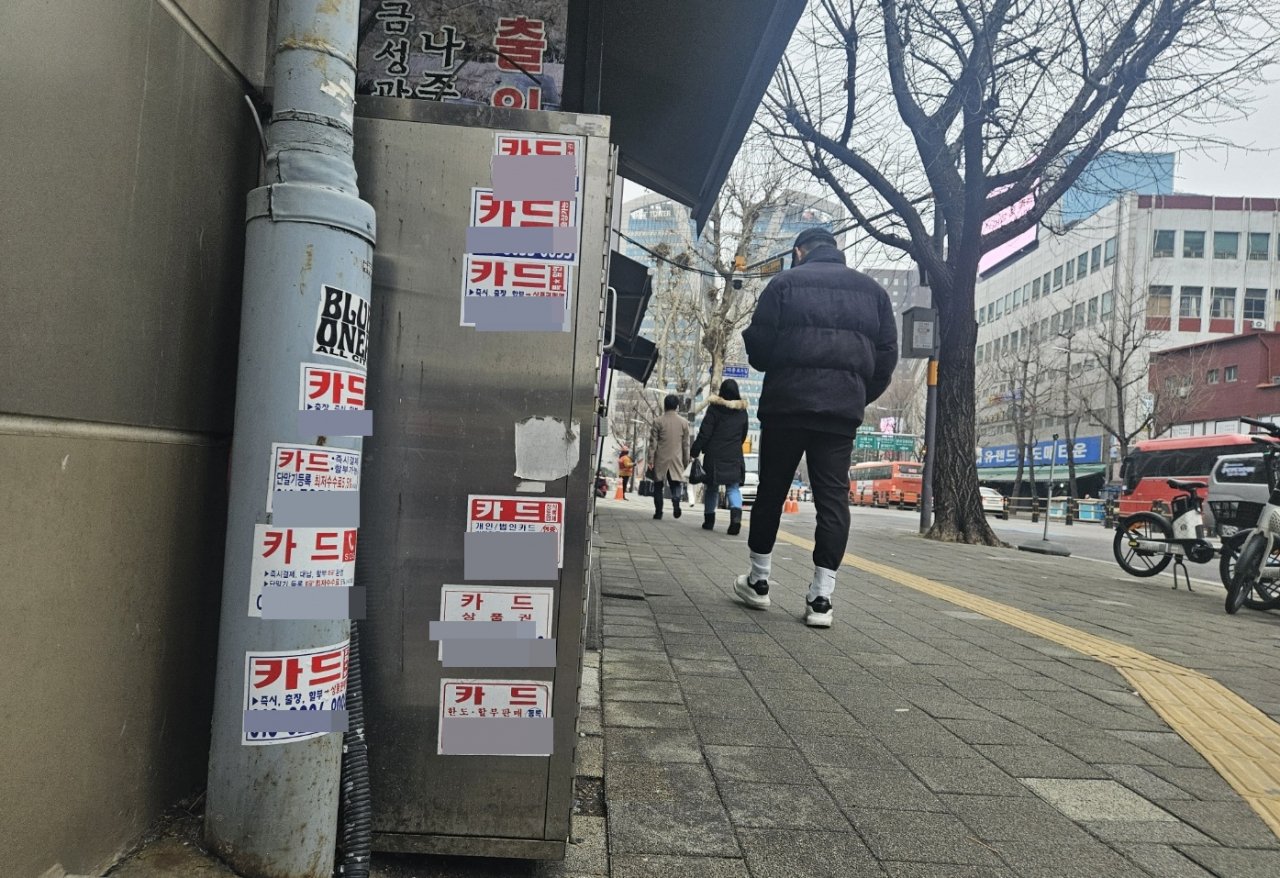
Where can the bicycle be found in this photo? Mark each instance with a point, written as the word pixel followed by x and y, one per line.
pixel 1258 568
pixel 1146 542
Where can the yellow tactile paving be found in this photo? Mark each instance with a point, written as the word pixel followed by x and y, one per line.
pixel 1241 742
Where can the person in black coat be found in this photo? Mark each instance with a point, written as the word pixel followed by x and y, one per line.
pixel 724 429
pixel 825 338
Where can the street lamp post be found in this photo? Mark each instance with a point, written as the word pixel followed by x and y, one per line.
pixel 1043 546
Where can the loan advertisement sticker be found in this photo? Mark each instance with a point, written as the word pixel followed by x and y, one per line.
pixel 312 679
pixel 312 468
pixel 331 388
pixel 497 603
pixel 488 212
pixel 493 514
pixel 492 699
pixel 300 557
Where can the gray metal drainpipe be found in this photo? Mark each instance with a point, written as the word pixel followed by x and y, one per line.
pixel 272 809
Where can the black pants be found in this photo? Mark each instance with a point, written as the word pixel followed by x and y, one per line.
pixel 626 484
pixel 828 455
pixel 677 489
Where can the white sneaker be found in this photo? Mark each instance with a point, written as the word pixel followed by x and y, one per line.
pixel 817 613
pixel 754 595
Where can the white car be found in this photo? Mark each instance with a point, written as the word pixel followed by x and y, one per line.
pixel 993 502
pixel 751 481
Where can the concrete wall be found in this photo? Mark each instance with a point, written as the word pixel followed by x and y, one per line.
pixel 126 152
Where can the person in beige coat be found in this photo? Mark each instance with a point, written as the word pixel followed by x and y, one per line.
pixel 669 450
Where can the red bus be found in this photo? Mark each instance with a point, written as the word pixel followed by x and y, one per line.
pixel 1152 462
pixel 885 482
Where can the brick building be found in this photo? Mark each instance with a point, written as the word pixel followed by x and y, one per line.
pixel 1221 380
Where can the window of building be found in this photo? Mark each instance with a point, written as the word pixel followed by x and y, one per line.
pixel 1057 278
pixel 978 315
pixel 1078 323
pixel 1071 272
pixel 1109 251
pixel 1044 284
pixel 1211 377
pixel 999 303
pixel 1017 299
pixel 1224 303
pixel 1054 323
pixel 1095 259
pixel 1082 265
pixel 1193 245
pixel 1105 308
pixel 1255 304
pixel 1162 247
pixel 1226 245
pixel 1093 310
pixel 1026 293
pixel 1008 303
pixel 988 350
pixel 1013 343
pixel 1259 246
pixel 978 357
pixel 1044 328
pixel 1159 301
pixel 1231 373
pixel 1189 302
pixel 1035 288
pixel 991 312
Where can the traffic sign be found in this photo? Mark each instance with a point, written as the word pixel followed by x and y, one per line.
pixel 885 442
pixel 737 371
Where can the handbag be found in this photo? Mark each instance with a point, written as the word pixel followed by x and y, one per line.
pixel 646 488
pixel 697 475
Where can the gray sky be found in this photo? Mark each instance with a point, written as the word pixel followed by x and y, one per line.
pixel 1237 172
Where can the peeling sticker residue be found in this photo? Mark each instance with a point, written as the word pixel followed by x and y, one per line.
pixel 546 448
pixel 342 92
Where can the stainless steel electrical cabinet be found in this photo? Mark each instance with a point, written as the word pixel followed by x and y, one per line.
pixel 446 399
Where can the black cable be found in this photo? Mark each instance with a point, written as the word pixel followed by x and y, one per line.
pixel 357 809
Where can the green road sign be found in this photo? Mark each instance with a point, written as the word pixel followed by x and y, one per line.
pixel 885 442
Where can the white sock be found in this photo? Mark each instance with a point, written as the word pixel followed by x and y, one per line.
pixel 760 566
pixel 823 585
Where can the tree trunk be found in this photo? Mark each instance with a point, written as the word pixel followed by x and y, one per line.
pixel 957 505
pixel 1022 451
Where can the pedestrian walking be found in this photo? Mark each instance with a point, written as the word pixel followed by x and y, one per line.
pixel 669 448
pixel 626 468
pixel 719 441
pixel 824 336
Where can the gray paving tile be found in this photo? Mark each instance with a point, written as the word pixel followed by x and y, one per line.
pixel 868 788
pixel 975 776
pixel 781 806
pixel 655 866
pixel 849 752
pixel 1145 784
pixel 819 723
pixel 773 853
pixel 1235 863
pixel 1203 783
pixel 666 809
pixel 639 714
pixel 1165 861
pixel 1087 800
pixel 1000 818
pixel 920 836
pixel 743 733
pixel 642 670
pixel 1156 831
pixel 699 667
pixel 1043 760
pixel 944 870
pixel 1049 858
pixel 994 731
pixel 759 765
pixel 1233 824
pixel 651 745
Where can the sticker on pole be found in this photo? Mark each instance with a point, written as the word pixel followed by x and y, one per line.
pixel 497 603
pixel 517 515
pixel 301 557
pixel 312 468
pixel 311 679
pixel 330 388
pixel 492 700
pixel 342 326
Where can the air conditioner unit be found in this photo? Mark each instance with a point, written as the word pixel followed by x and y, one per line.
pixel 1275 379
pixel 1258 324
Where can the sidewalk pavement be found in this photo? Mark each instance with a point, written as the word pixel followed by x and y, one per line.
pixel 913 738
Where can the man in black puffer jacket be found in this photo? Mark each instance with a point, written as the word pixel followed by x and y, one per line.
pixel 825 338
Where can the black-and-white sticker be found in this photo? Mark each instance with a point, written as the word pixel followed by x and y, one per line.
pixel 342 326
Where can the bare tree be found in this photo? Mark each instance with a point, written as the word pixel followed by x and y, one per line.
pixel 949 127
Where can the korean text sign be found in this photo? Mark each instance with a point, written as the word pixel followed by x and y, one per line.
pixel 314 679
pixel 493 514
pixel 300 556
pixel 498 603
pixel 312 468
pixel 493 699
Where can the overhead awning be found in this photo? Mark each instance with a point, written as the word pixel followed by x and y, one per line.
pixel 1060 473
pixel 633 284
pixel 681 81
pixel 635 357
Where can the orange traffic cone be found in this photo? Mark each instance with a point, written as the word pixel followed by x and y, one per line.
pixel 790 505
pixel 619 495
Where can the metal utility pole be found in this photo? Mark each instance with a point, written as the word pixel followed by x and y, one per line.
pixel 272 805
pixel 930 435
pixel 1044 546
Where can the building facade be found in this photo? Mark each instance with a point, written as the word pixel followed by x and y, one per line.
pixel 1065 330
pixel 1224 379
